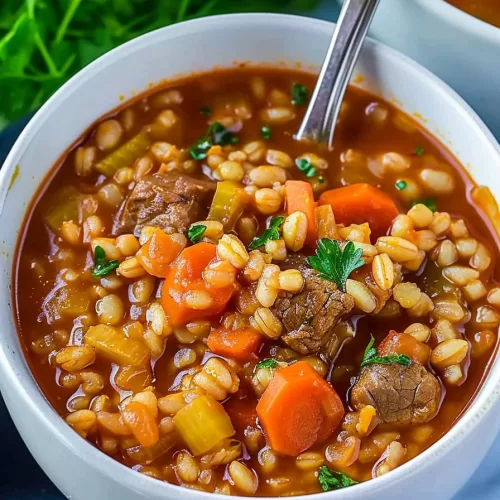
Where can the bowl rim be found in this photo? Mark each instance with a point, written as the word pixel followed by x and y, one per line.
pixel 31 394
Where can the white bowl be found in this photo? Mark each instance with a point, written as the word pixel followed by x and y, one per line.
pixel 457 47
pixel 81 471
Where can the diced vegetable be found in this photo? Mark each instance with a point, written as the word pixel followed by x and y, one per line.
pixel 300 198
pixel 298 409
pixel 64 206
pixel 159 252
pixel 142 423
pixel 186 275
pixel 125 155
pixel 65 301
pixel 236 344
pixel 203 424
pixel 242 412
pixel 228 204
pixel 402 343
pixel 359 203
pixel 111 343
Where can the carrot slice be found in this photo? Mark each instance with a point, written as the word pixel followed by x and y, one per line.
pixel 360 203
pixel 185 275
pixel 298 409
pixel 300 198
pixel 236 344
pixel 402 343
pixel 141 422
pixel 159 252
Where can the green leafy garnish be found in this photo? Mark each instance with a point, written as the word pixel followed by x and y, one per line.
pixel 267 363
pixel 430 203
pixel 400 185
pixel 321 179
pixel 271 233
pixel 195 233
pixel 335 264
pixel 265 132
pixel 205 111
pixel 300 94
pixel 419 150
pixel 215 134
pixel 304 165
pixel 333 480
pixel 371 357
pixel 102 266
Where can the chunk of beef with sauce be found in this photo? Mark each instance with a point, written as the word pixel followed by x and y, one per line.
pixel 310 316
pixel 171 201
pixel 405 395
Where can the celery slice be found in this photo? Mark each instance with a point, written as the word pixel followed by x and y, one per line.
pixel 64 205
pixel 228 204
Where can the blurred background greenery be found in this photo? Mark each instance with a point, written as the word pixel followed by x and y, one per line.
pixel 44 42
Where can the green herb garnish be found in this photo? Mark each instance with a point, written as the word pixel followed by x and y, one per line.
pixel 333 480
pixel 195 233
pixel 265 132
pixel 430 203
pixel 205 111
pixel 371 357
pixel 419 150
pixel 215 134
pixel 305 166
pixel 267 363
pixel 271 233
pixel 102 266
pixel 300 94
pixel 335 264
pixel 321 179
pixel 400 185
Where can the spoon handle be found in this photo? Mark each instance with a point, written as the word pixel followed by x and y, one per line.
pixel 321 116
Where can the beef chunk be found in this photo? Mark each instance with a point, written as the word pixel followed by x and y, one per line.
pixel 405 395
pixel 309 317
pixel 171 201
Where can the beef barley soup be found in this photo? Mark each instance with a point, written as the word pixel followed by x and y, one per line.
pixel 486 10
pixel 218 306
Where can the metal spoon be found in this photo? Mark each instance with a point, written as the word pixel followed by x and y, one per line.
pixel 320 119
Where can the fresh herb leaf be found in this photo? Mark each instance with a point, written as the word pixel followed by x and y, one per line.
pixel 305 166
pixel 333 480
pixel 205 111
pixel 200 149
pixel 400 185
pixel 430 203
pixel 419 150
pixel 271 233
pixel 335 264
pixel 321 179
pixel 265 132
pixel 195 233
pixel 267 363
pixel 371 357
pixel 300 94
pixel 102 266
pixel 215 134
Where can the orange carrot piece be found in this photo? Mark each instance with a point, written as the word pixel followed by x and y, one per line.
pixel 158 253
pixel 242 413
pixel 360 203
pixel 402 343
pixel 298 409
pixel 300 198
pixel 142 423
pixel 235 344
pixel 186 274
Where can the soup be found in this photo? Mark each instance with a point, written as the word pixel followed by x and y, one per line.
pixel 218 306
pixel 486 10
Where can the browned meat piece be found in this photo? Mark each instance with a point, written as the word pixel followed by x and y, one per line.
pixel 405 395
pixel 309 317
pixel 170 201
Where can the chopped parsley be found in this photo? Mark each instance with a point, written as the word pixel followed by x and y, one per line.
pixel 305 166
pixel 419 150
pixel 103 266
pixel 216 134
pixel 205 111
pixel 195 233
pixel 430 203
pixel 265 132
pixel 371 357
pixel 335 264
pixel 321 179
pixel 300 94
pixel 333 480
pixel 271 233
pixel 400 185
pixel 267 363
